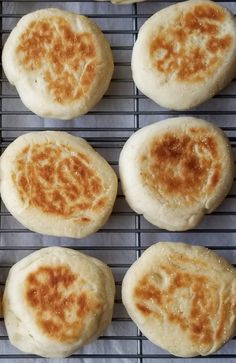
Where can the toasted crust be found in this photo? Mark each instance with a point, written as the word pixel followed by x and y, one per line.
pixel 46 292
pixel 62 58
pixel 175 171
pixel 182 165
pixel 185 53
pixel 59 185
pixel 61 301
pixel 182 298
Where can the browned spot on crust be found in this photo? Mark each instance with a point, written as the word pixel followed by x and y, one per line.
pixel 147 291
pixel 192 46
pixel 58 180
pixel 182 165
pixel 177 319
pixel 189 300
pixel 209 12
pixel 214 44
pixel 143 309
pixel 59 312
pixel 67 58
pixel 85 219
pixel 100 204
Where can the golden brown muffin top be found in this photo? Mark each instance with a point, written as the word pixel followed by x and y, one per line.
pixel 192 45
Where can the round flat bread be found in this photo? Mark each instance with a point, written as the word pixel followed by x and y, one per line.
pixel 182 298
pixel 185 54
pixel 56 300
pixel 60 63
pixel 175 171
pixel 57 184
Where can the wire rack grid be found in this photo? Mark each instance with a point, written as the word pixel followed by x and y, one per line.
pixel 122 111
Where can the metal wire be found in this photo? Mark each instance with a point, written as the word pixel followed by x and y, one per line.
pixel 111 139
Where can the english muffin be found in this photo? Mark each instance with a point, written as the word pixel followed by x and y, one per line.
pixel 56 300
pixel 182 298
pixel 57 184
pixel 185 54
pixel 175 171
pixel 60 63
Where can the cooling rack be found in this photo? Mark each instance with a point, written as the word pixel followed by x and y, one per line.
pixel 122 111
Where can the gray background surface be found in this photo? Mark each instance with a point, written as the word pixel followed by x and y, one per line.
pixel 125 235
